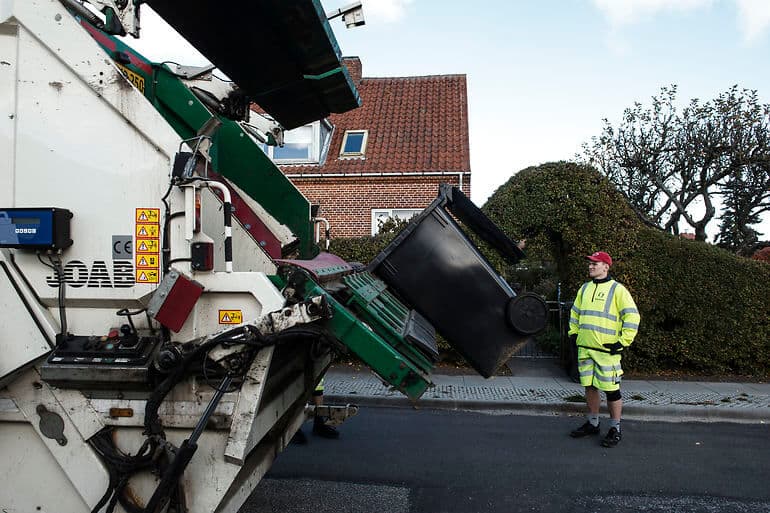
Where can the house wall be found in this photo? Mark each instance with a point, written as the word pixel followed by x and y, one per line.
pixel 347 203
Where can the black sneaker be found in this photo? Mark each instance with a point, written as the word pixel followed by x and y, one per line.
pixel 586 429
pixel 299 438
pixel 612 438
pixel 324 430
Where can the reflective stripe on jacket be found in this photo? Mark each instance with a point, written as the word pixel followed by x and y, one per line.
pixel 604 313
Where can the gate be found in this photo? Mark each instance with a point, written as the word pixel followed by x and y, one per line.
pixel 553 342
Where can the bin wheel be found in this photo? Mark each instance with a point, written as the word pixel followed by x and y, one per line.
pixel 527 313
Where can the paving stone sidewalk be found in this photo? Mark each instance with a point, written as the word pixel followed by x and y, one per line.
pixel 664 400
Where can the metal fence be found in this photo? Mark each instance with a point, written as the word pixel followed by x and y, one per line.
pixel 553 342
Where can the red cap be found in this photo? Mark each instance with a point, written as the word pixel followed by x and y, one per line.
pixel 600 256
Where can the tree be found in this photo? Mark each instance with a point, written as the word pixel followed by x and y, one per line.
pixel 679 165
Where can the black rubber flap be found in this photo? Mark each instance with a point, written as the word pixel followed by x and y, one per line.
pixel 438 271
pixel 282 53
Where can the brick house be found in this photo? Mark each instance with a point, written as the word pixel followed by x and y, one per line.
pixel 385 158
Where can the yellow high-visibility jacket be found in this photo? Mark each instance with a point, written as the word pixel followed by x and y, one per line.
pixel 603 313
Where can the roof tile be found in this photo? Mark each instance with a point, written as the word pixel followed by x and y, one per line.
pixel 415 124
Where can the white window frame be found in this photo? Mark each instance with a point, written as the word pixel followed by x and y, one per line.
pixel 317 146
pixel 377 214
pixel 354 154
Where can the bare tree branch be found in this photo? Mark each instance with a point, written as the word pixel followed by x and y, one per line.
pixel 666 161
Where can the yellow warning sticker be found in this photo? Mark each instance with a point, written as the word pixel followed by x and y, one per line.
pixel 147 246
pixel 146 261
pixel 147 230
pixel 148 215
pixel 230 317
pixel 147 276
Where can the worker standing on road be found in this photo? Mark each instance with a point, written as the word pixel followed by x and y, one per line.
pixel 604 321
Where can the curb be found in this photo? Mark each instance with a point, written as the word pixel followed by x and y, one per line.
pixel 666 413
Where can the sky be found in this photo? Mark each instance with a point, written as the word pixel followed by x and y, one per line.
pixel 542 74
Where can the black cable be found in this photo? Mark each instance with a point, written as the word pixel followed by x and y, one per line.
pixel 59 272
pixel 166 250
pixel 152 422
pixel 304 331
pixel 170 62
pixel 181 259
pixel 149 321
pixel 43 262
pixel 121 467
pixel 125 311
pixel 247 335
pixel 208 379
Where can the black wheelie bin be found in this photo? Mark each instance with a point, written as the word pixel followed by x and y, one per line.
pixel 436 269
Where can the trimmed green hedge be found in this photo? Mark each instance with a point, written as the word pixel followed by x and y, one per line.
pixel 704 310
pixel 364 249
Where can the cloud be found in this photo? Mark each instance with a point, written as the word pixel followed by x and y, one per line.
pixel 621 13
pixel 627 12
pixel 388 11
pixel 753 18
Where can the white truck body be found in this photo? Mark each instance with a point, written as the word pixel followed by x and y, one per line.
pixel 74 133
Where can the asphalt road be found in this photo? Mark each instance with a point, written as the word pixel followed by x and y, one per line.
pixel 401 460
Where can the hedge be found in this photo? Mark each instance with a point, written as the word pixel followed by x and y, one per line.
pixel 704 310
pixel 364 249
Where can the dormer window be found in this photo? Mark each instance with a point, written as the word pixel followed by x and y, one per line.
pixel 354 144
pixel 298 146
pixel 304 145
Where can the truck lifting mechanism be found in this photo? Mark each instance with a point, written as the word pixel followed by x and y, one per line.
pixel 166 310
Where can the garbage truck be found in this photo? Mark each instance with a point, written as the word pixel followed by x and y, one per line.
pixel 165 308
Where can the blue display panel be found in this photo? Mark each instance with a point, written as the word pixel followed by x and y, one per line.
pixel 35 228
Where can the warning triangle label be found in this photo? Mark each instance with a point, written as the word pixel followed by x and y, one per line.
pixel 142 231
pixel 143 217
pixel 142 247
pixel 226 318
pixel 142 277
pixel 142 261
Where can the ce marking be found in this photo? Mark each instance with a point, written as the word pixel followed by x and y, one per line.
pixel 122 247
